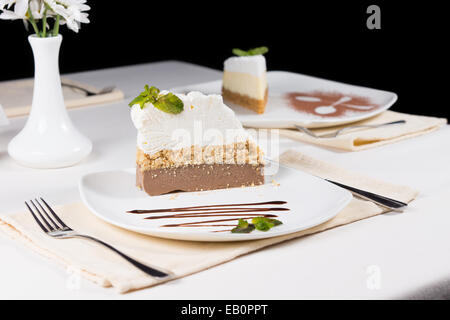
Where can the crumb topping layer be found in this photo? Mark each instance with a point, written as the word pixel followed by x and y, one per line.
pixel 238 153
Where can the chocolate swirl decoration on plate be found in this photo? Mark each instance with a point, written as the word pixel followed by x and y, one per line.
pixel 329 104
pixel 233 211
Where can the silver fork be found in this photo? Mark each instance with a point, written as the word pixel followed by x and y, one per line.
pixel 60 230
pixel 334 134
pixel 89 92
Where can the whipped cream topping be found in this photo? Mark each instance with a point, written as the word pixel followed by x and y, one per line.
pixel 205 120
pixel 254 65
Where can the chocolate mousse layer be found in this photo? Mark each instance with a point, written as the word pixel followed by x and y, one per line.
pixel 198 177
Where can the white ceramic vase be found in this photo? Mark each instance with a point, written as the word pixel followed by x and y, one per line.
pixel 49 139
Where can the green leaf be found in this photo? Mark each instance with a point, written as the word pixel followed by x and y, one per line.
pixel 146 96
pixel 152 92
pixel 260 50
pixel 251 52
pixel 169 103
pixel 275 222
pixel 248 229
pixel 258 223
pixel 259 219
pixel 242 223
pixel 138 100
pixel 239 52
pixel 265 224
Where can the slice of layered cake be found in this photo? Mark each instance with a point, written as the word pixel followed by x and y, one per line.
pixel 244 79
pixel 191 142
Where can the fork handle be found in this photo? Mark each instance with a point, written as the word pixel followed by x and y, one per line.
pixel 148 270
pixel 374 125
pixel 393 122
pixel 88 92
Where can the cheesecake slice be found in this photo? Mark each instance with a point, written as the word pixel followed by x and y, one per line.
pixel 245 82
pixel 202 147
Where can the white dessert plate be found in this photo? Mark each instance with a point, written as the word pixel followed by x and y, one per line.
pixel 296 99
pixel 311 200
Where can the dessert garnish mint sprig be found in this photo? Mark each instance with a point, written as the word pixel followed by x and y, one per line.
pixel 168 102
pixel 258 223
pixel 251 52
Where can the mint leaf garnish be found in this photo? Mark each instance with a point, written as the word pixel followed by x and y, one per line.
pixel 258 223
pixel 243 227
pixel 262 224
pixel 249 229
pixel 265 224
pixel 251 52
pixel 242 223
pixel 240 53
pixel 275 222
pixel 169 102
pixel 150 94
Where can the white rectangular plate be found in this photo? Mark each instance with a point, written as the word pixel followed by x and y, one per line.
pixel 320 102
pixel 311 201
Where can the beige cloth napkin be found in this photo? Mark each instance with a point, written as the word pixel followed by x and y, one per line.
pixel 181 257
pixel 361 139
pixel 16 96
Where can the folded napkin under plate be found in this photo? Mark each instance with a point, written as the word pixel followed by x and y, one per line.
pixel 16 96
pixel 181 257
pixel 365 138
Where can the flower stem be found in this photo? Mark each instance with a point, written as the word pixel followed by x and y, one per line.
pixel 33 23
pixel 44 23
pixel 56 26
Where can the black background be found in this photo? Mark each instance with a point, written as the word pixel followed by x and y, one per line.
pixel 326 39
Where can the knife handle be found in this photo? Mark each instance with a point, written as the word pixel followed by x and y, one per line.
pixel 383 201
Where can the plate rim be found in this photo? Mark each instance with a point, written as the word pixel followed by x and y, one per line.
pixel 211 237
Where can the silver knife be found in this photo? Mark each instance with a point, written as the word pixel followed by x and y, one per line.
pixel 389 203
pixel 383 201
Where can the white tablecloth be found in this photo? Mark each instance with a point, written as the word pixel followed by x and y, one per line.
pixel 390 256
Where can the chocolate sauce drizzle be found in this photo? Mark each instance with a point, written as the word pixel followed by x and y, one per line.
pixel 234 211
pixel 207 206
pixel 221 220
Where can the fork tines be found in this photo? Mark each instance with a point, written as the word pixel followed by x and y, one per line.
pixel 46 222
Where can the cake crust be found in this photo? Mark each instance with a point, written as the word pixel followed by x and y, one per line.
pixel 243 100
